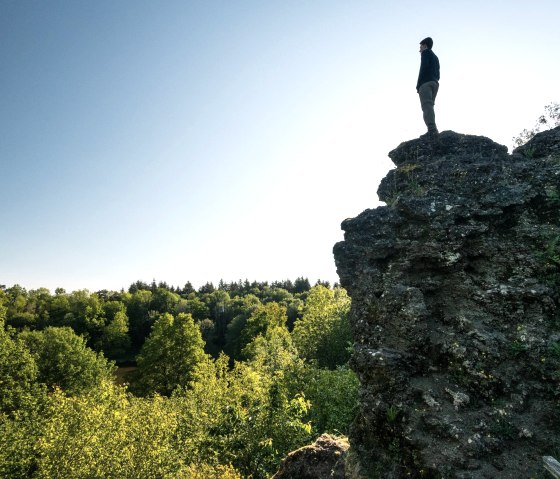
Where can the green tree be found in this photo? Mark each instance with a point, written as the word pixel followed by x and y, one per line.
pixel 107 434
pixel 65 361
pixel 294 311
pixel 239 416
pixel 58 308
pixel 187 289
pixel 111 307
pixel 140 320
pixel 242 308
pixel 86 315
pixel 273 352
pixel 20 313
pixel 219 302
pixel 206 288
pixel 208 332
pixel 20 398
pixel 164 301
pixel 244 304
pixel 333 395
pixel 39 302
pixel 16 299
pixel 323 334
pixel 277 295
pixel 169 355
pixel 301 285
pixel 196 307
pixel 115 342
pixel 262 318
pixel 18 372
pixel 3 303
pixel 204 471
pixel 19 435
pixel 550 119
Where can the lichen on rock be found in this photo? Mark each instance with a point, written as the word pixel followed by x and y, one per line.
pixel 455 311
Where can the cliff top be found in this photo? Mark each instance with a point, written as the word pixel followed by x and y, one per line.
pixel 456 311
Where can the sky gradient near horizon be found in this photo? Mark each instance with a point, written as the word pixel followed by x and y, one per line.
pixel 206 140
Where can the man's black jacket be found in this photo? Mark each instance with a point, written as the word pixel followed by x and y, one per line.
pixel 429 68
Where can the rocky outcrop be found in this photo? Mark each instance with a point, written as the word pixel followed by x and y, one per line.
pixel 455 311
pixel 322 460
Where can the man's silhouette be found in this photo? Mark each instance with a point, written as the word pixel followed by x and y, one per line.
pixel 428 85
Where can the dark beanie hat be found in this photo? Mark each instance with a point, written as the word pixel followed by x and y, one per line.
pixel 428 42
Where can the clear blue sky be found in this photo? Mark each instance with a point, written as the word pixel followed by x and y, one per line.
pixel 197 140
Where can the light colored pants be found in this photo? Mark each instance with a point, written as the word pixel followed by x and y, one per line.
pixel 428 92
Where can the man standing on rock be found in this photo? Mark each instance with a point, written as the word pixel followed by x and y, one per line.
pixel 428 85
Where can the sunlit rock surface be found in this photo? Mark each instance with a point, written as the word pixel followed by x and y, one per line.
pixel 321 460
pixel 454 287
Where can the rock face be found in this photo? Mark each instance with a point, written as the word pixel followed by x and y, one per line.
pixel 322 460
pixel 455 311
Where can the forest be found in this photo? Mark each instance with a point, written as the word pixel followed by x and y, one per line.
pixel 167 382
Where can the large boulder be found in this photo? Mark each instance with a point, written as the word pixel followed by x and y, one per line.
pixel 322 460
pixel 455 311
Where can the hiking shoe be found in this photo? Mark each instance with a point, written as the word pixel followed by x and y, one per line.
pixel 430 135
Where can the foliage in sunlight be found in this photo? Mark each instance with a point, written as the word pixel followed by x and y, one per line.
pixel 169 355
pixel 186 414
pixel 550 119
pixel 323 334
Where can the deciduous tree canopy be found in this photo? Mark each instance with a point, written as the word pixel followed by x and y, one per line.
pixel 170 354
pixel 185 415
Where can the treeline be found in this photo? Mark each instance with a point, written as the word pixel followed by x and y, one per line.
pixel 229 379
pixel 117 323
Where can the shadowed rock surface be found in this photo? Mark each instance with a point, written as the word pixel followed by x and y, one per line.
pixel 455 317
pixel 322 460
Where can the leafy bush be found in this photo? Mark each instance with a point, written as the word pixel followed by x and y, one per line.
pixel 334 398
pixel 169 355
pixel 550 119
pixel 64 360
pixel 323 334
